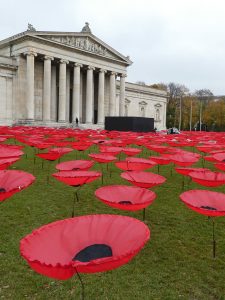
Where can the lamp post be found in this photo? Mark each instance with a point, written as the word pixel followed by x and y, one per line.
pixel 180 117
pixel 200 116
pixel 191 116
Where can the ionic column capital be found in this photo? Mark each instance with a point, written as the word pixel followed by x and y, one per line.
pixel 123 75
pixel 102 71
pixel 113 73
pixel 91 68
pixel 30 53
pixel 63 61
pixel 47 57
pixel 78 65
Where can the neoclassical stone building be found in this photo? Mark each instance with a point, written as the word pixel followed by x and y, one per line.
pixel 52 78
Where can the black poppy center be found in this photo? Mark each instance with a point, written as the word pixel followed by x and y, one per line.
pixel 208 207
pixel 92 252
pixel 2 190
pixel 125 202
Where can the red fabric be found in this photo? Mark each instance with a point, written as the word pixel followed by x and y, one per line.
pixel 183 159
pixel 135 164
pixel 157 148
pixel 143 179
pixel 220 166
pixel 80 146
pixel 50 249
pixel 13 181
pixel 49 155
pixel 110 150
pixel 75 165
pixel 208 178
pixel 60 150
pixel 102 157
pixel 187 171
pixel 220 157
pixel 8 151
pixel 6 162
pixel 161 160
pixel 77 178
pixel 139 197
pixel 131 151
pixel 209 158
pixel 201 201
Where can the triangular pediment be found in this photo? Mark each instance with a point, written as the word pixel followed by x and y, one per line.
pixel 85 42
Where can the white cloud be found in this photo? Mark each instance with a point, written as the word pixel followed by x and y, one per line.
pixel 180 41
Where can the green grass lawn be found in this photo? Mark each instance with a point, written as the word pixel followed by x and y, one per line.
pixel 176 263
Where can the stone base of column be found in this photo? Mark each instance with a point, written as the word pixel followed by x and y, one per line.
pixel 25 121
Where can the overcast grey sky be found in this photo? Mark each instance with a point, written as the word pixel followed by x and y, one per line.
pixel 180 41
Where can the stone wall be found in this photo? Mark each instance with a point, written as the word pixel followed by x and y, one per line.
pixel 7 84
pixel 143 101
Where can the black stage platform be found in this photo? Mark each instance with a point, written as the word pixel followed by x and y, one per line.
pixel 137 124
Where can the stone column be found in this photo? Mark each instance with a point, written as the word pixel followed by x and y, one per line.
pixel 47 89
pixel 122 94
pixel 89 95
pixel 76 93
pixel 101 96
pixel 112 93
pixel 30 86
pixel 53 94
pixel 62 91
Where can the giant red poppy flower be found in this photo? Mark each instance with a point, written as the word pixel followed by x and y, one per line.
pixel 208 178
pixel 211 204
pixel 6 162
pixel 110 150
pixel 220 166
pixel 13 181
pixel 135 164
pixel 7 152
pixel 208 203
pixel 49 155
pixel 161 160
pixel 86 244
pixel 131 151
pixel 77 178
pixel 102 157
pixel 62 150
pixel 143 179
pixel 75 165
pixel 127 197
pixel 220 157
pixel 187 171
pixel 183 159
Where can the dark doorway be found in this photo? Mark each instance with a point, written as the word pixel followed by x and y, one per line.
pixel 95 116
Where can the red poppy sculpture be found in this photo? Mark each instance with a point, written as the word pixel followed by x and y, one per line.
pixel 135 164
pixel 208 178
pixel 6 162
pixel 102 157
pixel 13 181
pixel 208 203
pixel 76 179
pixel 143 179
pixel 75 165
pixel 8 151
pixel 130 198
pixel 86 244
pixel 131 151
